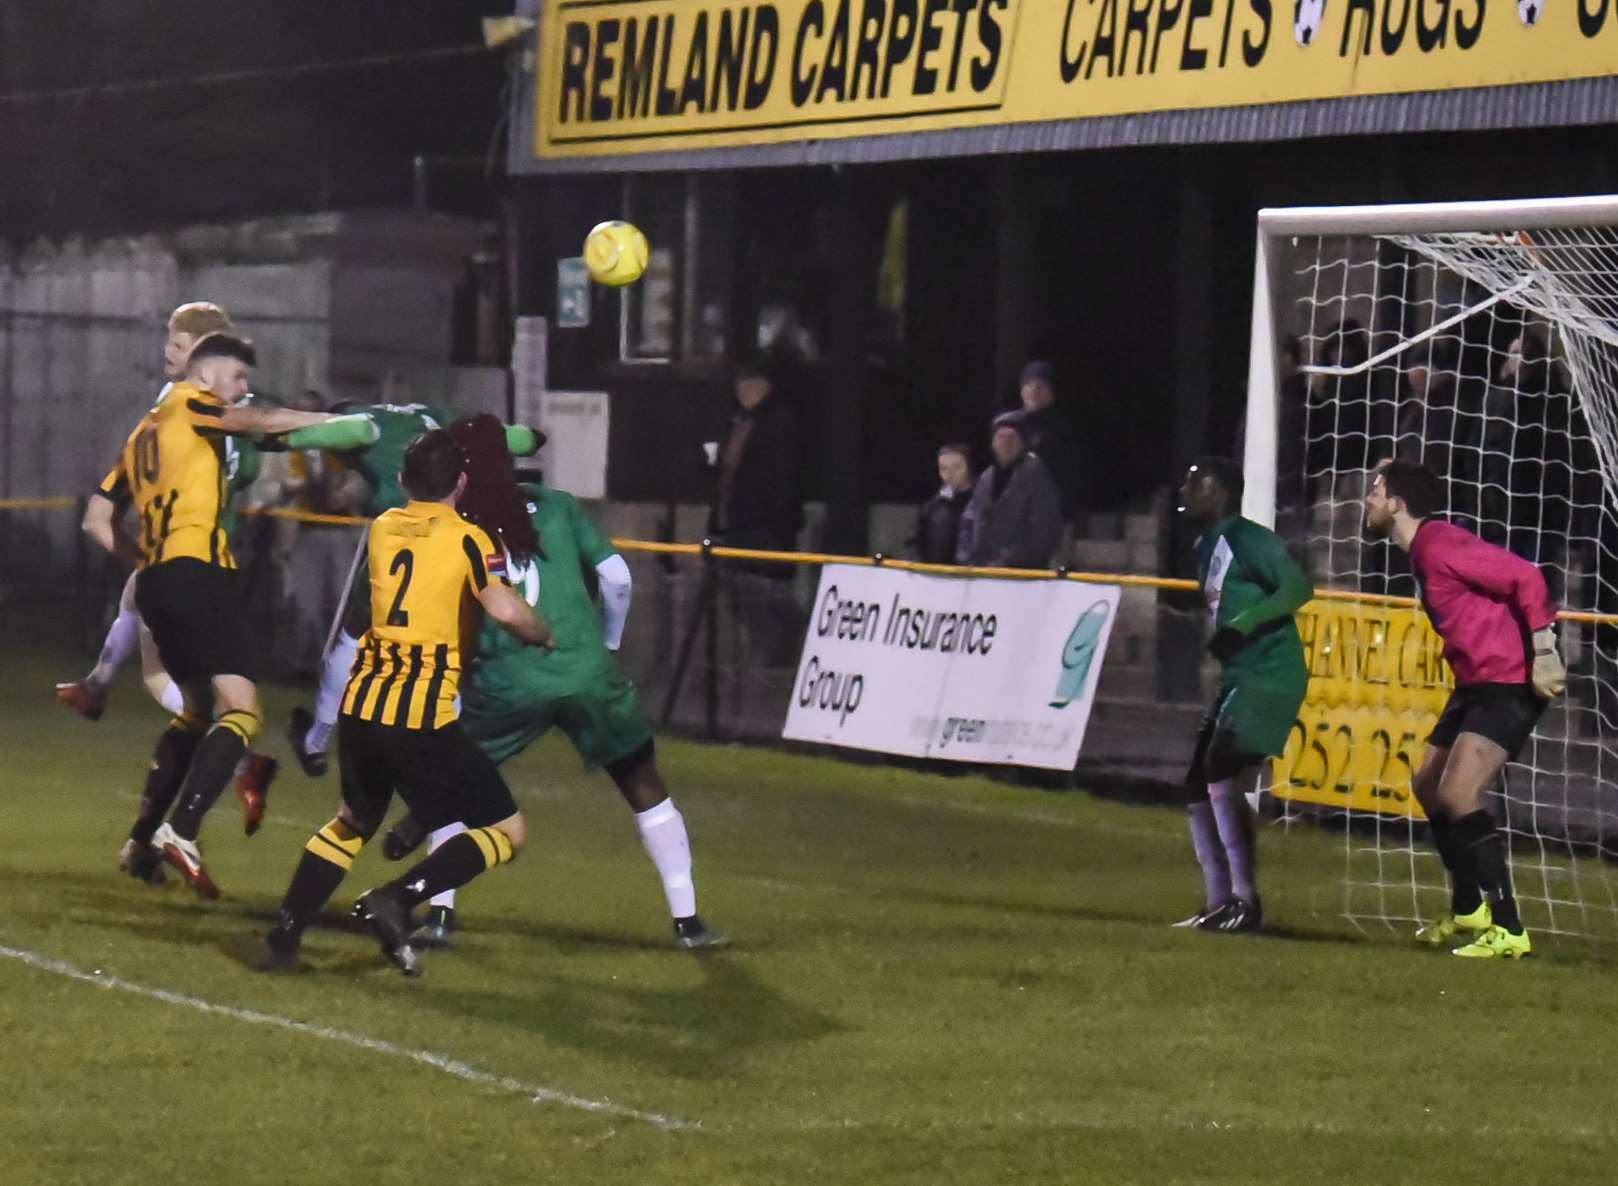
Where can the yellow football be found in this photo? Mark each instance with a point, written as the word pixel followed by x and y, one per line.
pixel 615 253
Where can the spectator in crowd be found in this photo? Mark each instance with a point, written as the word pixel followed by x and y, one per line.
pixel 1426 414
pixel 1353 425
pixel 938 525
pixel 757 499
pixel 1351 417
pixel 1426 428
pixel 1552 507
pixel 1338 406
pixel 1532 441
pixel 1441 425
pixel 1014 518
pixel 758 503
pixel 1047 431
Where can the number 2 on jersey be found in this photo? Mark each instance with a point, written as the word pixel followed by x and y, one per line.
pixel 398 615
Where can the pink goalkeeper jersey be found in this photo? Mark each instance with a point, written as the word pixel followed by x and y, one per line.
pixel 1483 600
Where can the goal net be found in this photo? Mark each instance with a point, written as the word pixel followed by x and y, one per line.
pixel 1482 340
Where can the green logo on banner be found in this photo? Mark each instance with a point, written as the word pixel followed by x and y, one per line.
pixel 1079 654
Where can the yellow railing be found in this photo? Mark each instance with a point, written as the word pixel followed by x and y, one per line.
pixel 720 552
pixel 37 504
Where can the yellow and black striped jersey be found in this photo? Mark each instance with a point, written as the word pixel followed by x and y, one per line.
pixel 173 471
pixel 427 566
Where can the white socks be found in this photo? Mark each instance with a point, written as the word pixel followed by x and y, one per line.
pixel 447 898
pixel 123 636
pixel 123 639
pixel 171 698
pixel 662 831
pixel 1210 854
pixel 333 681
pixel 1236 835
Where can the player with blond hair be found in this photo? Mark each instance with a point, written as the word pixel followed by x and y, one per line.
pixel 187 325
pixel 173 473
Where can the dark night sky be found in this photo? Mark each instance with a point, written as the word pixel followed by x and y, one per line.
pixel 121 160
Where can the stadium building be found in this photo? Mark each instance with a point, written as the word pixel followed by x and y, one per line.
pixel 918 196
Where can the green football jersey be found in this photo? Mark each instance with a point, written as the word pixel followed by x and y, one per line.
pixel 243 463
pixel 1252 586
pixel 555 584
pixel 379 464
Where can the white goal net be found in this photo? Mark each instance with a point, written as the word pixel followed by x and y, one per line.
pixel 1482 340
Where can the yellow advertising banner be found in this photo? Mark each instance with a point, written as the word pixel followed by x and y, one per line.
pixel 1378 682
pixel 625 76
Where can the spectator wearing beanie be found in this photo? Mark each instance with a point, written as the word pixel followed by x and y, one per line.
pixel 1014 519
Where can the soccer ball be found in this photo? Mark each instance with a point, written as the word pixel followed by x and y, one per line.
pixel 615 254
pixel 1307 17
pixel 1529 11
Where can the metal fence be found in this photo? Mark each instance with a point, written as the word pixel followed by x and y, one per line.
pixel 714 636
pixel 712 640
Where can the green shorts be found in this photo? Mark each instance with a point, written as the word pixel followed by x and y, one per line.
pixel 1257 716
pixel 601 716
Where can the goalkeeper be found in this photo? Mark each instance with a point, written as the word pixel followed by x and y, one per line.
pixel 1495 615
pixel 515 694
pixel 1253 589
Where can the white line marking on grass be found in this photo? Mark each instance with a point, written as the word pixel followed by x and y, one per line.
pixel 1280 1126
pixel 535 1094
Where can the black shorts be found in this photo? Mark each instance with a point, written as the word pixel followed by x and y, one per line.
pixel 1504 713
pixel 441 775
pixel 197 613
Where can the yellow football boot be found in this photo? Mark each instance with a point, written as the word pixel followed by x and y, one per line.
pixel 1446 927
pixel 1496 943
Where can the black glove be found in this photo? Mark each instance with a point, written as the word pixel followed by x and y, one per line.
pixel 1225 643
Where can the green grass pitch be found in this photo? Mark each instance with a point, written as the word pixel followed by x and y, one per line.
pixel 935 980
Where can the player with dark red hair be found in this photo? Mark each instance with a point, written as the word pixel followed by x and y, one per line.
pixel 492 499
pixel 515 694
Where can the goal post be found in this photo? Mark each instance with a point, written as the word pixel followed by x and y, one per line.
pixel 1276 226
pixel 1263 390
pixel 1480 338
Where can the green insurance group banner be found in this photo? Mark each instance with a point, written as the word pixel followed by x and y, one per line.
pixel 626 76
